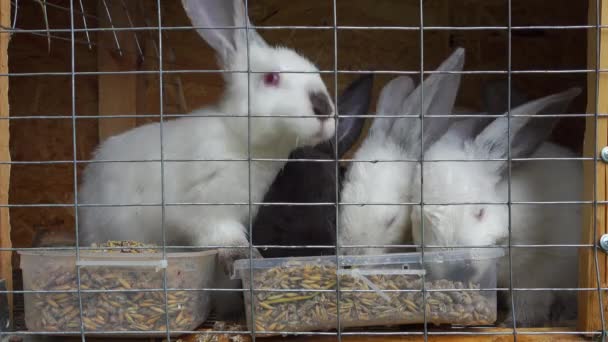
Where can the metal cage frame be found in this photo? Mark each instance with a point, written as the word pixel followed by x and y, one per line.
pixel 592 285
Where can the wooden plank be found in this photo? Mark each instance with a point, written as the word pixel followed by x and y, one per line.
pixel 5 169
pixel 498 335
pixel 117 93
pixel 589 311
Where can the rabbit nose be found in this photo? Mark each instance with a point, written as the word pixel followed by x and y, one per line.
pixel 321 105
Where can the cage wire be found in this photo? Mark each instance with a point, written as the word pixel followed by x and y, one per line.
pixel 83 24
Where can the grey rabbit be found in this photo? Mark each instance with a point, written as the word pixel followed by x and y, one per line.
pixel 311 182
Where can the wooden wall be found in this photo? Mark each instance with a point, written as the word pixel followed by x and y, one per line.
pixel 46 139
pixel 51 139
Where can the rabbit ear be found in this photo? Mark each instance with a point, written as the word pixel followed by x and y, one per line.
pixel 492 141
pixel 207 15
pixel 525 142
pixel 392 95
pixel 439 91
pixel 355 100
pixel 462 129
pixel 494 96
pixel 390 102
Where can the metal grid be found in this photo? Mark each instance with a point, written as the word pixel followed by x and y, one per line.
pixel 76 9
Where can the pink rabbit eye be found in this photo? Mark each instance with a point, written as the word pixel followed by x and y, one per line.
pixel 479 215
pixel 272 79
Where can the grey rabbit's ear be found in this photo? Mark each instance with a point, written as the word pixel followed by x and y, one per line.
pixel 208 15
pixel 439 91
pixel 390 102
pixel 494 96
pixel 539 129
pixel 525 137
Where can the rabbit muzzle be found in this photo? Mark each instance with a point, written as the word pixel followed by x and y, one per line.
pixel 321 105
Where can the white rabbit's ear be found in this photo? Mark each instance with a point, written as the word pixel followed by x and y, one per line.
pixel 208 15
pixel 525 138
pixel 439 91
pixel 390 102
pixel 355 100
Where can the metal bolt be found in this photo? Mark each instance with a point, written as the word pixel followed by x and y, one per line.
pixel 604 154
pixel 604 242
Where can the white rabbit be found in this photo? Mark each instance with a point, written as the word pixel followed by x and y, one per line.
pixel 390 139
pixel 276 101
pixel 485 182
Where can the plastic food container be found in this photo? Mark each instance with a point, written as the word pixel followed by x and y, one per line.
pixel 299 294
pixel 123 304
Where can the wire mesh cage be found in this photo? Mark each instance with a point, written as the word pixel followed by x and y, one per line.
pixel 411 170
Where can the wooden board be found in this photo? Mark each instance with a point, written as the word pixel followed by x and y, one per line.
pixel 6 269
pixel 589 309
pixel 498 335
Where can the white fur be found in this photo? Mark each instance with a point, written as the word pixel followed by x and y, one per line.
pixel 375 183
pixel 211 137
pixel 462 225
pixel 386 184
pixel 544 224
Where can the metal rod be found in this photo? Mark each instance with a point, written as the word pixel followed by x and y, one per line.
pixel 19 116
pixel 421 141
pixel 46 21
pixel 112 28
pixel 305 290
pixel 97 161
pixel 409 246
pixel 249 198
pixel 15 15
pixel 336 165
pixel 65 9
pixel 84 21
pixel 509 171
pixel 330 28
pixel 345 246
pixel 346 72
pixel 75 172
pixel 162 166
pixel 61 205
pixel 319 333
pixel 126 9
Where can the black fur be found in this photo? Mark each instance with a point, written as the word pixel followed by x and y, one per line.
pixel 299 182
